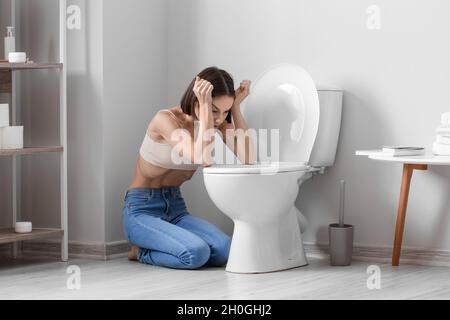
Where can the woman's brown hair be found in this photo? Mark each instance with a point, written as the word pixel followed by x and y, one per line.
pixel 223 86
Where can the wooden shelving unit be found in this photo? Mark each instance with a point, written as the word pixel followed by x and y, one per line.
pixel 9 235
pixel 29 66
pixel 7 85
pixel 30 151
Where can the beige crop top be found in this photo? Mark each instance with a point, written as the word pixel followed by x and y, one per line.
pixel 163 155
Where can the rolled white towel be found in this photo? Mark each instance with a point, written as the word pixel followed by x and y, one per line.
pixel 442 131
pixel 12 138
pixel 441 149
pixel 4 115
pixel 445 119
pixel 443 140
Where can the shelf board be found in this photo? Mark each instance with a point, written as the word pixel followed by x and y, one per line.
pixel 28 66
pixel 28 151
pixel 9 236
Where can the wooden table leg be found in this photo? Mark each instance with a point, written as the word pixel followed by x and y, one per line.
pixel 401 215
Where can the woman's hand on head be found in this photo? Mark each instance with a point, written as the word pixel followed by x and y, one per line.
pixel 242 92
pixel 203 91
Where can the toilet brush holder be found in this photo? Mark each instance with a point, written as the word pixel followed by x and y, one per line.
pixel 341 244
pixel 341 236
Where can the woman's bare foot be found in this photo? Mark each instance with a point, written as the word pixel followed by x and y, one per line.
pixel 133 254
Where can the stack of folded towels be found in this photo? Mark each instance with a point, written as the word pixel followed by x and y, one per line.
pixel 441 146
pixel 10 137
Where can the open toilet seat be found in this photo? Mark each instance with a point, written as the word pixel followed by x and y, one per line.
pixel 269 168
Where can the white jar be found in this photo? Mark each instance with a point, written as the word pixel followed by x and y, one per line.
pixel 24 227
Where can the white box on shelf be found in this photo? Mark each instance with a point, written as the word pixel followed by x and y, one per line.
pixel 12 138
pixel 4 115
pixel 17 57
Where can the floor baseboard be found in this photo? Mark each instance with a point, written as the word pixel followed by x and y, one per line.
pixel 413 256
pixel 119 249
pixel 78 250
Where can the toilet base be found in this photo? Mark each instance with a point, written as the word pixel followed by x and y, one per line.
pixel 274 271
pixel 266 246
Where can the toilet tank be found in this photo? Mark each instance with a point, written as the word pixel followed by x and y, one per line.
pixel 325 146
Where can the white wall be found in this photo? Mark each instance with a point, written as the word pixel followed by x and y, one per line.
pixel 396 86
pixel 135 82
pixel 111 99
pixel 85 99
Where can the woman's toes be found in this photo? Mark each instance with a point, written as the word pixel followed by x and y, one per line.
pixel 133 254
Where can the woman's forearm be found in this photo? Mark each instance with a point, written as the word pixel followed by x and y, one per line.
pixel 245 147
pixel 205 135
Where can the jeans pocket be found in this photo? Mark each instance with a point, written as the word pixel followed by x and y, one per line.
pixel 138 201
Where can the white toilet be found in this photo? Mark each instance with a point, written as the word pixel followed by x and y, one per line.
pixel 260 199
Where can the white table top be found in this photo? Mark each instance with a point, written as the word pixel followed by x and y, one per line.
pixel 429 159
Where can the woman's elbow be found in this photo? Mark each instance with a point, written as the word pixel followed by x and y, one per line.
pixel 206 164
pixel 203 160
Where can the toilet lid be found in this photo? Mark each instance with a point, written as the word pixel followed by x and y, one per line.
pixel 272 168
pixel 284 98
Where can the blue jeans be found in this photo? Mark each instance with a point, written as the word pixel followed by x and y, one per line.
pixel 157 221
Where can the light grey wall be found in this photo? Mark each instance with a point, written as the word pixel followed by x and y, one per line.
pixel 396 87
pixel 85 125
pixel 135 84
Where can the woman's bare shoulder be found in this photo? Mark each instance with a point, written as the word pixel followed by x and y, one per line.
pixel 163 120
pixel 167 120
pixel 175 113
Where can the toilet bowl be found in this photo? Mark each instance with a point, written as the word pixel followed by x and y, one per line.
pixel 260 199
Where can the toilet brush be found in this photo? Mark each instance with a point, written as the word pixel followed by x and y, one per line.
pixel 341 204
pixel 341 236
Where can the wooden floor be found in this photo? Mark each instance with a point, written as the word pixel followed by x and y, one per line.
pixel 121 279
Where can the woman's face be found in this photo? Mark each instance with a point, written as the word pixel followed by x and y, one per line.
pixel 221 107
